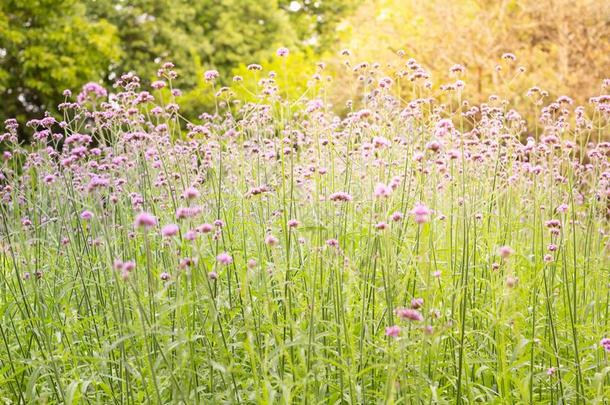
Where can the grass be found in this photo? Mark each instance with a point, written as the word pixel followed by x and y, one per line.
pixel 271 292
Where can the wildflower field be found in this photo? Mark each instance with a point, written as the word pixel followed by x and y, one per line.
pixel 415 249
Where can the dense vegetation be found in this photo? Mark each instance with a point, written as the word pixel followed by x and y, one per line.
pixel 413 251
pixel 332 201
pixel 47 45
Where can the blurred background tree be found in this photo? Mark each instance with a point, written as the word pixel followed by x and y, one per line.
pixel 49 45
pixel 563 44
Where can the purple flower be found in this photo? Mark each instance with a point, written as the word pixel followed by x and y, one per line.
pixel 421 213
pixel 397 216
pixel 410 314
pixel 205 228
pixel 392 331
pixel 191 193
pixel 281 52
pixel 271 240
pixel 505 251
pixel 145 220
pixel 211 75
pixel 332 242
pixel 86 215
pixel 417 303
pixel 382 190
pixel 91 89
pixel 170 230
pixel 605 343
pixel 340 196
pixel 224 258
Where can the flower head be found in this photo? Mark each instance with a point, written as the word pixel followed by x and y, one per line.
pixel 271 240
pixel 392 331
pixel 340 196
pixel 505 251
pixel 224 258
pixel 145 220
pixel 211 75
pixel 170 230
pixel 421 213
pixel 409 313
pixel 382 190
pixel 191 193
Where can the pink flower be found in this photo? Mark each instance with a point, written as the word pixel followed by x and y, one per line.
pixel 187 262
pixel 381 226
pixel 164 276
pixel 340 196
pixel 271 240
pixel 332 242
pixel 421 213
pixel 129 266
pixel 170 230
pixel 434 146
pixel 505 251
pixel 392 331
pixel 91 89
pixel 511 281
pixel 211 75
pixel 213 275
pixel 158 84
pixel 86 215
pixel 397 216
pixel 417 303
pixel 118 264
pixel 605 343
pixel 224 258
pixel 382 190
pixel 553 223
pixel 205 228
pixel 145 220
pixel 281 52
pixel 293 223
pixel 191 193
pixel 410 314
pixel 562 208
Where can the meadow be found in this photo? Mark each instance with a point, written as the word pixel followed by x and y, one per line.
pixel 416 249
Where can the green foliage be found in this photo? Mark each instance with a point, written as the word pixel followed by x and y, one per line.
pixel 315 21
pixel 49 46
pixel 293 76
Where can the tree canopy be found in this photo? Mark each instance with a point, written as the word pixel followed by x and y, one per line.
pixel 47 46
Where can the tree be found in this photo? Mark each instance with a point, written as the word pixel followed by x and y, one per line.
pixel 46 47
pixel 316 21
pixel 49 45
